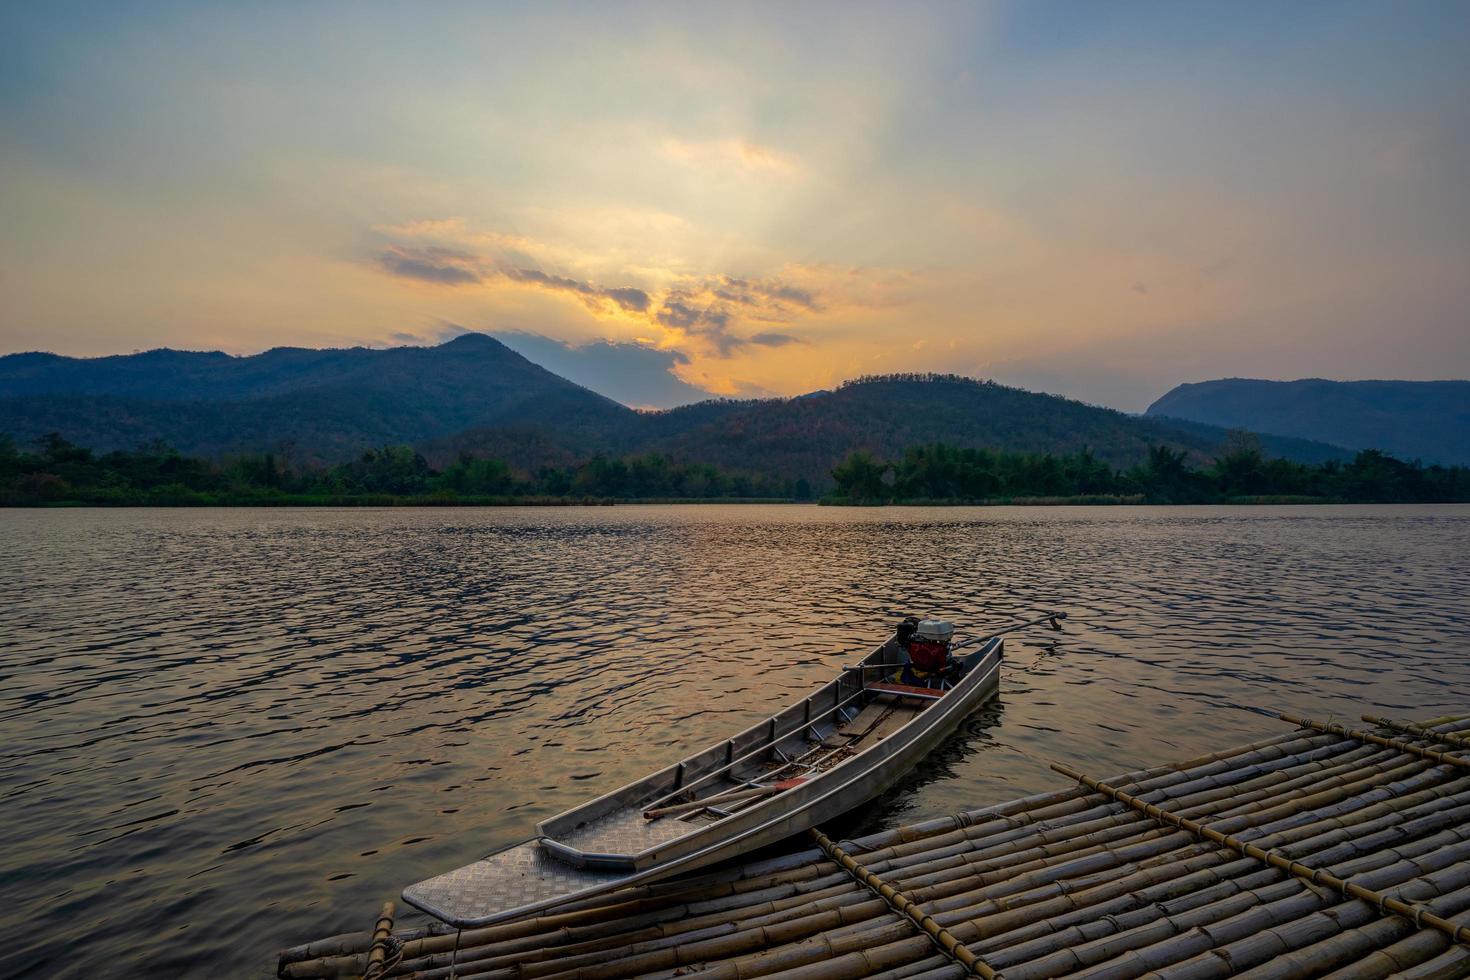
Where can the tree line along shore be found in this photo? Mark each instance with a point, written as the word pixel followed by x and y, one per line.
pixel 58 473
pixel 1241 473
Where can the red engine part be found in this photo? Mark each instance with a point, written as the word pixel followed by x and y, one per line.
pixel 928 655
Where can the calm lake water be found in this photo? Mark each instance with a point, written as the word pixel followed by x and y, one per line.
pixel 227 731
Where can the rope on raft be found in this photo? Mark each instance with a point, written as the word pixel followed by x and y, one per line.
pixel 384 953
pixel 1442 758
pixel 1409 728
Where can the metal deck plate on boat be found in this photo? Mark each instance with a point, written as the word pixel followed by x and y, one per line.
pixel 628 832
pixel 511 879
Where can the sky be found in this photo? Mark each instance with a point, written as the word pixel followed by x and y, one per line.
pixel 673 201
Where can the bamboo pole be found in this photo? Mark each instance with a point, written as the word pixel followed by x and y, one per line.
pixel 949 972
pixel 664 923
pixel 868 908
pixel 1316 876
pixel 1449 738
pixel 1259 935
pixel 938 963
pixel 1393 743
pixel 721 938
pixel 378 950
pixel 901 904
pixel 1073 813
pixel 1422 955
pixel 1332 845
pixel 643 963
pixel 1452 964
pixel 1053 851
pixel 1356 944
pixel 1148 781
pixel 835 934
pixel 1013 880
pixel 1195 933
pixel 773 874
pixel 1106 935
pixel 930 967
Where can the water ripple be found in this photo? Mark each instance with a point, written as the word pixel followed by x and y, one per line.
pixel 222 732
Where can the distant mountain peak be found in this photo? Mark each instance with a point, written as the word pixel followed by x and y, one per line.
pixel 325 404
pixel 473 339
pixel 1426 420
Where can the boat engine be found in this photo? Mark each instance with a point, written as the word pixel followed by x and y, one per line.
pixel 929 646
pixel 927 643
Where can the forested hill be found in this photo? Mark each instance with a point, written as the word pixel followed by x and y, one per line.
pixel 315 404
pixel 475 396
pixel 1428 420
pixel 889 414
pixel 804 437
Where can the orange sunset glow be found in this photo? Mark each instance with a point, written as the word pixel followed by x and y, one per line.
pixel 1093 200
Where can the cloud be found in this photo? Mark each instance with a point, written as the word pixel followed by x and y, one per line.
pixel 433 263
pixel 626 297
pixel 711 323
pixel 409 339
pixel 708 307
pixel 697 313
pixel 629 298
pixel 678 312
pixel 762 293
pixel 686 311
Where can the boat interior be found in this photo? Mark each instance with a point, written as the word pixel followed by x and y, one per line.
pixel 858 710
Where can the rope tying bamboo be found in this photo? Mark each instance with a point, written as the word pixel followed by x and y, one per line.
pixel 1418 915
pixel 1412 729
pixel 1391 743
pixel 377 963
pixel 900 903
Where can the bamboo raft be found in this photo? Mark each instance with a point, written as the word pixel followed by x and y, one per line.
pixel 1326 851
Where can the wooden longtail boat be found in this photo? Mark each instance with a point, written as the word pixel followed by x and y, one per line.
pixel 828 753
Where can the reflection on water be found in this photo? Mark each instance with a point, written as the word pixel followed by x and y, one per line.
pixel 223 732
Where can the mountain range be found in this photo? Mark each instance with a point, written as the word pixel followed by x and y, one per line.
pixel 1425 420
pixel 475 395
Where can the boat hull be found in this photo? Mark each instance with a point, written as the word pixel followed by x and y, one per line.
pixel 527 878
